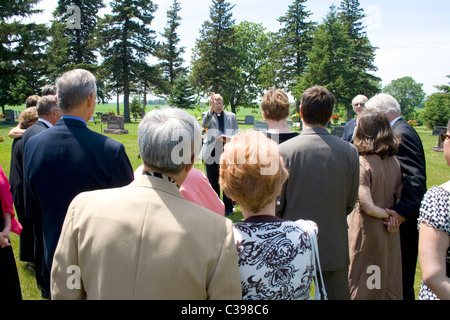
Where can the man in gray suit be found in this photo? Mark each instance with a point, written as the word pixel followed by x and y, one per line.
pixel 322 186
pixel 218 122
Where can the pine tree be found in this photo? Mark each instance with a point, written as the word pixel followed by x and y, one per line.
pixel 22 69
pixel 328 64
pixel 215 60
pixel 294 43
pixel 169 52
pixel 182 94
pixel 126 41
pixel 363 55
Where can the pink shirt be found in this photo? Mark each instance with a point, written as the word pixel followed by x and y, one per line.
pixel 196 188
pixel 7 202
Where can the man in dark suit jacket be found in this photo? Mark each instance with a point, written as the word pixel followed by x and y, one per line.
pixel 49 114
pixel 322 186
pixel 358 104
pixel 412 160
pixel 68 159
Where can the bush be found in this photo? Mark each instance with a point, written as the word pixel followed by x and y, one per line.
pixel 437 110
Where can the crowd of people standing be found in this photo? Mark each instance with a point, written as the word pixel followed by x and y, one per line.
pixel 160 232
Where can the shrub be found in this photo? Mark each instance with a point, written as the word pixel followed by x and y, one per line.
pixel 437 110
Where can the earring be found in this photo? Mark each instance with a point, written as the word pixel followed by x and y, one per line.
pixel 278 200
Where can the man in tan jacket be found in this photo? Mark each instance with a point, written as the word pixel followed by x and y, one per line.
pixel 145 241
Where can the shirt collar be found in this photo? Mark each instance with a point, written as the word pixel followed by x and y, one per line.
pixel 47 123
pixel 394 121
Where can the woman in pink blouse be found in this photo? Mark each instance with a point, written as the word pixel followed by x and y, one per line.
pixel 9 279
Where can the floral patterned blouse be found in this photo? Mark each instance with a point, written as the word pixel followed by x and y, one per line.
pixel 435 212
pixel 275 259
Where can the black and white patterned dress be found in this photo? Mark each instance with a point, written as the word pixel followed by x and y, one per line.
pixel 275 259
pixel 435 212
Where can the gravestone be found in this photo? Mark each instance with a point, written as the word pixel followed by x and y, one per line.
pixel 116 125
pixel 260 126
pixel 338 131
pixel 250 120
pixel 10 116
pixel 438 130
pixel 104 119
pixel 289 123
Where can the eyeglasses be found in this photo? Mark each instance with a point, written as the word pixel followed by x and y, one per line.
pixel 362 104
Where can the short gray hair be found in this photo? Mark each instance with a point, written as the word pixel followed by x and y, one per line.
pixel 169 139
pixel 45 105
pixel 74 87
pixel 385 103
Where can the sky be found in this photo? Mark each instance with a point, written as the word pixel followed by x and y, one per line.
pixel 412 36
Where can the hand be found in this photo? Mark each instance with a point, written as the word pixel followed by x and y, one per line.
pixel 399 217
pixel 212 104
pixel 4 240
pixel 393 225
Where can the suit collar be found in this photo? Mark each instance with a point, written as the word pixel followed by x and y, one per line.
pixel 157 183
pixel 71 123
pixel 315 130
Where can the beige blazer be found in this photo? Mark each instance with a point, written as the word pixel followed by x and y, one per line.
pixel 144 241
pixel 323 187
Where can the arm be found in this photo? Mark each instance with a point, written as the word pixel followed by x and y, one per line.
pixel 65 283
pixel 433 246
pixel 365 199
pixel 16 133
pixel 225 282
pixel 355 183
pixel 412 161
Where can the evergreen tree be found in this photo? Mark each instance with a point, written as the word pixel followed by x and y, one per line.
pixel 182 93
pixel 329 65
pixel 169 52
pixel 22 69
pixel 214 57
pixel 362 56
pixel 126 41
pixel 294 43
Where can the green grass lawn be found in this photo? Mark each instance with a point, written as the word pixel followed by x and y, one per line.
pixel 437 173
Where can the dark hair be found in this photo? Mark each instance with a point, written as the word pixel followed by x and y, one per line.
pixel 374 135
pixel 32 101
pixel 317 105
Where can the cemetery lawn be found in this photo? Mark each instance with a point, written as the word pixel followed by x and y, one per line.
pixel 437 173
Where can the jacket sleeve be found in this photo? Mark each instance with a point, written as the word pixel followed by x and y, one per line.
pixel 225 282
pixel 206 119
pixel 412 160
pixel 353 195
pixel 66 281
pixel 122 174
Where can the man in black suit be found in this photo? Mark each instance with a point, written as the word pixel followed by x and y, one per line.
pixel 49 114
pixel 68 159
pixel 358 104
pixel 412 160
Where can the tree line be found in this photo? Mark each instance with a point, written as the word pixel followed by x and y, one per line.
pixel 239 61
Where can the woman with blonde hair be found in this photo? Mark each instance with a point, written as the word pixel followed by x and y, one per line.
pixel 374 236
pixel 275 110
pixel 275 257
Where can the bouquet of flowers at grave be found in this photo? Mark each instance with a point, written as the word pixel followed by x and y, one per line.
pixel 413 123
pixel 335 118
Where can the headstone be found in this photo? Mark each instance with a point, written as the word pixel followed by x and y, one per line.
pixel 441 139
pixel 104 118
pixel 10 116
pixel 438 130
pixel 116 125
pixel 250 120
pixel 289 123
pixel 260 126
pixel 338 131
